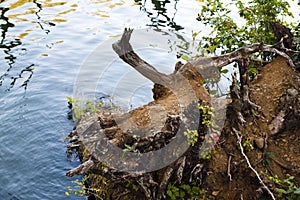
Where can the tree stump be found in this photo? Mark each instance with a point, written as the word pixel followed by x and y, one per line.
pixel 235 157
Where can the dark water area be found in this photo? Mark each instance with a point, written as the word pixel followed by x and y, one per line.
pixel 43 45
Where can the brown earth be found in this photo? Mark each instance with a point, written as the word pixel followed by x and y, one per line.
pixel 270 139
pixel 274 139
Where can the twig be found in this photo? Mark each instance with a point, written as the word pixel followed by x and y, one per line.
pixel 81 169
pixel 249 164
pixel 228 168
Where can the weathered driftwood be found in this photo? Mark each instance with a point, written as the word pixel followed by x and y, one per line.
pixel 178 94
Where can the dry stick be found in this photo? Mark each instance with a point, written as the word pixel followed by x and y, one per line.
pixel 81 169
pixel 228 168
pixel 250 166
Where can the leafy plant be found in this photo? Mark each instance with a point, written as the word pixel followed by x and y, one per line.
pixel 206 115
pixel 81 189
pixel 227 35
pixel 247 145
pixel 296 56
pixel 268 157
pixel 207 153
pixel 192 136
pixel 185 192
pixel 77 112
pixel 287 189
pixel 135 187
pixel 127 148
pixel 70 102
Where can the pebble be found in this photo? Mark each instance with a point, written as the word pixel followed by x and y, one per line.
pixel 215 193
pixel 260 142
pixel 284 140
pixel 293 92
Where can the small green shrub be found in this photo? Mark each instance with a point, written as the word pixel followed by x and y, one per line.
pixel 207 114
pixel 185 192
pixel 80 188
pixel 77 112
pixel 192 136
pixel 287 190
pixel 247 145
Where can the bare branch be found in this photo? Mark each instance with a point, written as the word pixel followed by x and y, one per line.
pixel 81 169
pixel 223 60
pixel 126 53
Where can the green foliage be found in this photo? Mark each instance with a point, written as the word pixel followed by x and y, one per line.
pixel 253 71
pixel 227 35
pixel 207 113
pixel 127 148
pixel 247 145
pixel 81 189
pixel 268 157
pixel 297 44
pixel 192 136
pixel 185 192
pixel 207 153
pixel 287 190
pixel 184 57
pixel 77 112
pixel 70 101
pixel 133 186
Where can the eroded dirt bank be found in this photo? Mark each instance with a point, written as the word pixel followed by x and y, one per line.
pixel 259 144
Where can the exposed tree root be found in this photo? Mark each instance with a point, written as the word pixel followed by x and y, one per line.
pixel 179 94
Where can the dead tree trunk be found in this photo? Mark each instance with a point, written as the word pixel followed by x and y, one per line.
pixel 179 94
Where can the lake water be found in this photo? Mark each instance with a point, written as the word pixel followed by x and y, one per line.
pixel 42 47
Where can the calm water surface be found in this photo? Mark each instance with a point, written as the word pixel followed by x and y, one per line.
pixel 42 47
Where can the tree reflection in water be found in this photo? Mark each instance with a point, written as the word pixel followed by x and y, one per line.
pixel 8 45
pixel 163 17
pixel 12 46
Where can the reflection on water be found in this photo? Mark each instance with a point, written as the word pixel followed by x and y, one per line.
pixel 8 45
pixel 42 44
pixel 23 22
pixel 102 8
pixel 162 14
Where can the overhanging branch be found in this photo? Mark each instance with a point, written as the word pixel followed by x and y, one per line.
pixel 125 51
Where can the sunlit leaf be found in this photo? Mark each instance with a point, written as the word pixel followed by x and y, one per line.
pixel 224 71
pixel 184 57
pixel 297 191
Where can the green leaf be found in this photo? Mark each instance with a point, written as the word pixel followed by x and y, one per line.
pixel 282 191
pixel 213 92
pixel 297 191
pixel 224 71
pixel 169 192
pixel 182 194
pixel 184 57
pixel 186 187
